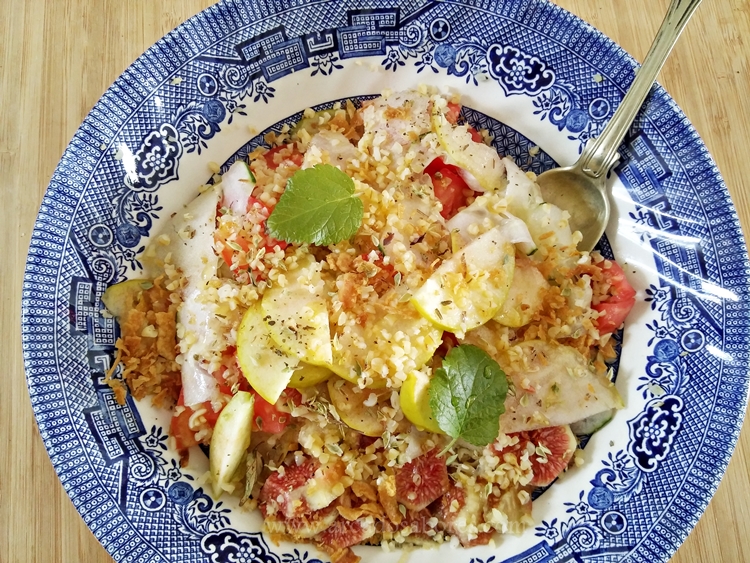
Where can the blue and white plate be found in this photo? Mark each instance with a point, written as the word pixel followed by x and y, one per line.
pixel 543 82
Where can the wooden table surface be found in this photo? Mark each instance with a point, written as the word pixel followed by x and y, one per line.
pixel 59 56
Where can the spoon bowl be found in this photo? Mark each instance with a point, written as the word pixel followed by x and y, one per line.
pixel 583 197
pixel 581 189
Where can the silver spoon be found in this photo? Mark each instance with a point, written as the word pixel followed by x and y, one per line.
pixel 581 189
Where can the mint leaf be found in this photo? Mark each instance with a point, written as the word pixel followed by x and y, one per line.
pixel 467 395
pixel 317 207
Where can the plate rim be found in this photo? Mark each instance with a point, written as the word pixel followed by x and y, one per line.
pixel 69 153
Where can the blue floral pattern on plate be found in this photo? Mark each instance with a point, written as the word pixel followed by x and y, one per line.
pixel 116 181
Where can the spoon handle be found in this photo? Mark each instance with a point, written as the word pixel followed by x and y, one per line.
pixel 600 154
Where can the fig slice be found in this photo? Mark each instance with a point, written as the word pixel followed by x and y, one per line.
pixel 460 512
pixel 284 487
pixel 422 481
pixel 550 451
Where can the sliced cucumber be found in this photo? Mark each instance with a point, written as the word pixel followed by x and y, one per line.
pixel 268 369
pixel 121 297
pixel 488 211
pixel 553 385
pixel 230 440
pixel 591 424
pixel 469 288
pixel 547 223
pixel 297 316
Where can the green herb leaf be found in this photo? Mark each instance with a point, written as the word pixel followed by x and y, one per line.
pixel 318 207
pixel 467 395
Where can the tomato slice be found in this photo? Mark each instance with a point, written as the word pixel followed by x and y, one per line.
pixel 448 185
pixel 614 314
pixel 452 112
pixel 179 429
pixel 179 426
pixel 227 253
pixel 476 136
pixel 620 300
pixel 268 417
pixel 295 158
pixel 620 289
pixel 260 212
pixel 265 210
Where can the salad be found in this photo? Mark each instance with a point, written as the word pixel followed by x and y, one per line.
pixel 380 329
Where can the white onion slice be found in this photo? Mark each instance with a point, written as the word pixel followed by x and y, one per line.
pixel 237 186
pixel 515 230
pixel 470 180
pixel 198 386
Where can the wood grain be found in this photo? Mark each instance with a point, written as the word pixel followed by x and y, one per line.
pixel 58 57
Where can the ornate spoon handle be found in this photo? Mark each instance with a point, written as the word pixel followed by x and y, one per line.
pixel 600 154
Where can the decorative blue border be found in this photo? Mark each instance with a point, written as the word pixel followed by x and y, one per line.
pixel 94 216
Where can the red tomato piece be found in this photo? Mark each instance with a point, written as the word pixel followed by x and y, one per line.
pixel 224 387
pixel 448 185
pixel 268 418
pixel 265 210
pixel 452 112
pixel 272 243
pixel 620 289
pixel 295 158
pixel 476 136
pixel 614 315
pixel 211 415
pixel 262 208
pixel 179 429
pixel 620 300
pixel 227 254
